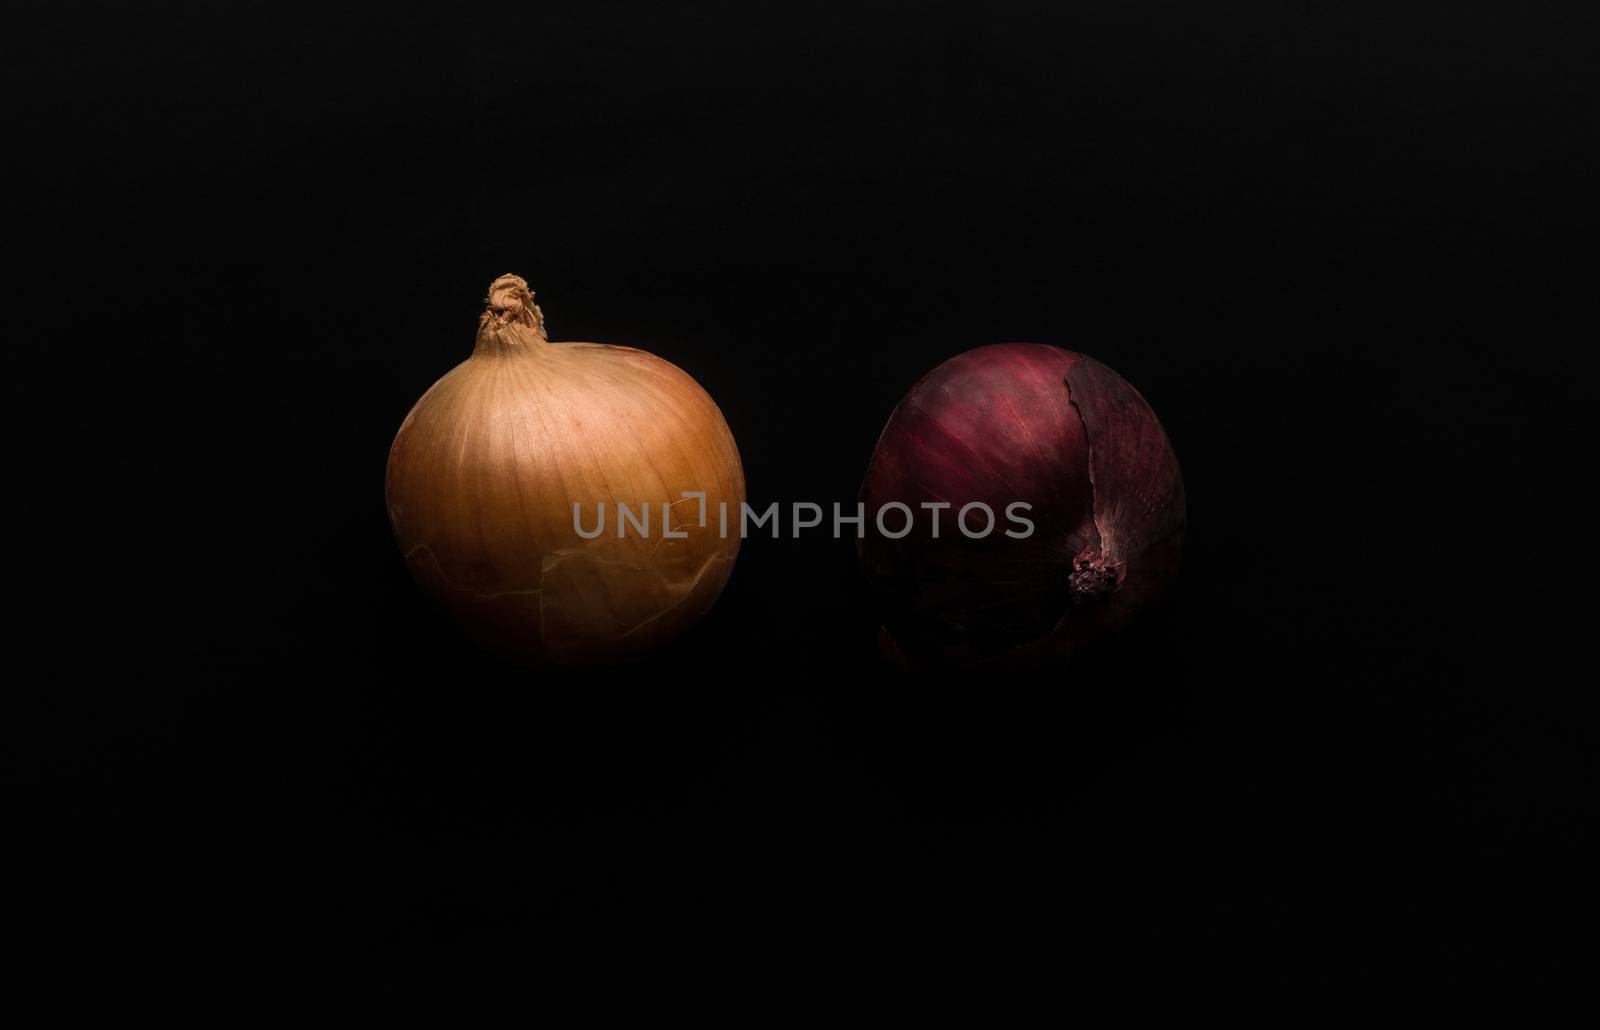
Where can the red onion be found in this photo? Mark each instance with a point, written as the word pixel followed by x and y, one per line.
pixel 1037 435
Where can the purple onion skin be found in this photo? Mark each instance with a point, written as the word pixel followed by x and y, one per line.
pixel 1032 423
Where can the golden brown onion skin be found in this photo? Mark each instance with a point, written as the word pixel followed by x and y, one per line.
pixel 485 470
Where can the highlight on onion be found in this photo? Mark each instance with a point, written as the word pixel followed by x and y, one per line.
pixel 502 462
pixel 1079 475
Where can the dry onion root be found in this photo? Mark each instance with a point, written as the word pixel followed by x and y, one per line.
pixel 485 471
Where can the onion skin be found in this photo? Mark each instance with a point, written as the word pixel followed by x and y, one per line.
pixel 1037 424
pixel 483 475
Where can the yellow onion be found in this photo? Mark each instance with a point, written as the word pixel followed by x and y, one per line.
pixel 488 467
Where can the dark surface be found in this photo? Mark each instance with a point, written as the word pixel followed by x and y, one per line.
pixel 1347 255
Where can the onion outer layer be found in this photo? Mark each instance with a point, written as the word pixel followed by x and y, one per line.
pixel 485 471
pixel 1036 424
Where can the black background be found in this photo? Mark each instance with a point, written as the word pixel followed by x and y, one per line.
pixel 1344 250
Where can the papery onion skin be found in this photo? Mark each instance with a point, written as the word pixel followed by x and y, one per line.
pixel 1041 425
pixel 483 475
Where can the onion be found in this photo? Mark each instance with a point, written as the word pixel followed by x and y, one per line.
pixel 501 461
pixel 1040 436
